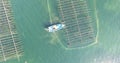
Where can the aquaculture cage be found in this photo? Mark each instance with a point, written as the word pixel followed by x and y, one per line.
pixel 79 31
pixel 10 44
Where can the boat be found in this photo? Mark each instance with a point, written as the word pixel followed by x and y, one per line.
pixel 55 27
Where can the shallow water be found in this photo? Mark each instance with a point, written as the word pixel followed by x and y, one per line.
pixel 43 47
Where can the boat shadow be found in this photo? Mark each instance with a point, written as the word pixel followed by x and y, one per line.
pixel 47 24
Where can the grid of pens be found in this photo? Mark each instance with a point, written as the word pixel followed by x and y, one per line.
pixel 78 29
pixel 10 44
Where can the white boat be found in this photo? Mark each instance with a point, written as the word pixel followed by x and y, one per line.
pixel 55 27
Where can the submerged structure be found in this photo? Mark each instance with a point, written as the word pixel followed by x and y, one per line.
pixel 10 44
pixel 78 24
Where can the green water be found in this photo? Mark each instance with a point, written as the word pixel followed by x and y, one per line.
pixel 43 47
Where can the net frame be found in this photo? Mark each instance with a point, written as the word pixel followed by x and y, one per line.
pixel 10 43
pixel 75 15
